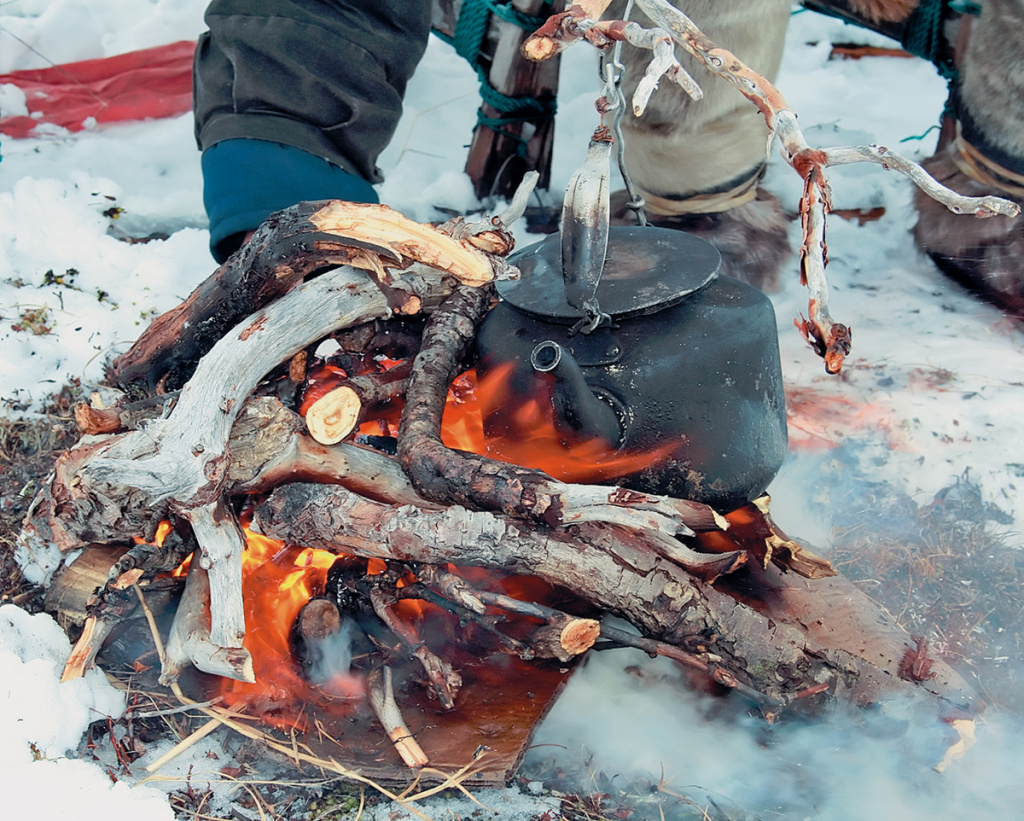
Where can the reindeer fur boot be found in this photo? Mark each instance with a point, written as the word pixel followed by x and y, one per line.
pixel 698 164
pixel 985 157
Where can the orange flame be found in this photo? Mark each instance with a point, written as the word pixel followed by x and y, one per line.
pixel 277 581
pixel 538 443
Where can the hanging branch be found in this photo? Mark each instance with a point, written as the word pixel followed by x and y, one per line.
pixel 830 339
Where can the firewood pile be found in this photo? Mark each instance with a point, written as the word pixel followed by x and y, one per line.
pixel 208 433
pixel 238 423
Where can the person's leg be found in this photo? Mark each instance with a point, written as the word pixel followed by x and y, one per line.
pixel 986 157
pixel 698 163
pixel 295 100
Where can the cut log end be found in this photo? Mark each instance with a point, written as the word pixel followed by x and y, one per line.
pixel 566 638
pixel 334 415
pixel 579 635
pixel 319 619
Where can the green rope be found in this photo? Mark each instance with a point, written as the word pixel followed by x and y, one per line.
pixel 470 32
pixel 923 36
pixel 507 12
pixel 470 29
pixel 496 124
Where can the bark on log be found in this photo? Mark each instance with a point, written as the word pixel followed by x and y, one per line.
pixel 617 570
pixel 565 639
pixel 290 245
pixel 190 641
pixel 183 458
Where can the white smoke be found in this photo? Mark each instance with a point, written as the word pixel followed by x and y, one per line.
pixel 626 718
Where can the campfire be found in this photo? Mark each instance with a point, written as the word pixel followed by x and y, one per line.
pixel 372 509
pixel 367 587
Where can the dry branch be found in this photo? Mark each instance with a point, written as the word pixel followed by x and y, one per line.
pixel 617 570
pixel 190 643
pixel 830 339
pixel 290 245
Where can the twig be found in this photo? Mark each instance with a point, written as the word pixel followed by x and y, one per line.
pixel 381 692
pixel 444 679
pixel 184 708
pixel 184 744
pixel 158 641
pixel 691 660
pixel 231 720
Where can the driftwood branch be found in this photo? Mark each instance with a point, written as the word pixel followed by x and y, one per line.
pixel 830 339
pixel 190 642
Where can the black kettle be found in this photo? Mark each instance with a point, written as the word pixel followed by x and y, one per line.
pixel 636 339
pixel 687 361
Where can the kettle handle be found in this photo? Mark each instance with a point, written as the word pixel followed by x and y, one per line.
pixel 585 219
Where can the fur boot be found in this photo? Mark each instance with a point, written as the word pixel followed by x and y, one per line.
pixel 698 164
pixel 752 238
pixel 986 157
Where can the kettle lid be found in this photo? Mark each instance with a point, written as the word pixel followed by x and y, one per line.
pixel 646 269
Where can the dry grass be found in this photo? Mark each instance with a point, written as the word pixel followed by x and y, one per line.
pixel 956 579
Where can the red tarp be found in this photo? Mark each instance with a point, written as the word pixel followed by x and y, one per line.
pixel 154 82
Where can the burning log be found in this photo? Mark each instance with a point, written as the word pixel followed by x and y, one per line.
pixel 358 399
pixel 616 569
pixel 739 622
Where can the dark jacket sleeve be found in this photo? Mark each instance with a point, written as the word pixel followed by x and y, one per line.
pixel 324 77
pixel 295 100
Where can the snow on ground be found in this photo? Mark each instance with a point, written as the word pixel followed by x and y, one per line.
pixel 931 392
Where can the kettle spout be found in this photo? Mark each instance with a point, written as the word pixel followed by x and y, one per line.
pixel 580 410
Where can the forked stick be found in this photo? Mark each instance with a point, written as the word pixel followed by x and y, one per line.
pixel 830 339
